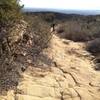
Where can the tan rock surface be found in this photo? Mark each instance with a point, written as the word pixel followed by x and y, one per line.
pixel 69 75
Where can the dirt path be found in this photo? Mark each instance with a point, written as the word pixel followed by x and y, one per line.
pixel 67 74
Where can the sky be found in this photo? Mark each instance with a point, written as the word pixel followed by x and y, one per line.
pixel 63 4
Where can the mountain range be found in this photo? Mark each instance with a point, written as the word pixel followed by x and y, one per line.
pixel 64 11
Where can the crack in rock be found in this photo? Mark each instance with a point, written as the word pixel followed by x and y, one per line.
pixel 93 85
pixel 62 95
pixel 61 89
pixel 78 94
pixel 65 72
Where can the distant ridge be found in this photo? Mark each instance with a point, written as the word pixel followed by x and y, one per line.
pixel 64 11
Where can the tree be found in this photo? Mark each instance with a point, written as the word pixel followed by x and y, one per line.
pixel 10 11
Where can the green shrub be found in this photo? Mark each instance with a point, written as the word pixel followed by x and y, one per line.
pixel 10 11
pixel 73 30
pixel 94 46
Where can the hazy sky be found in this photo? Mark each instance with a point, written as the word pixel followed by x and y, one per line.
pixel 63 4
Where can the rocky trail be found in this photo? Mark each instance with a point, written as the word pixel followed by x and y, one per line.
pixel 65 72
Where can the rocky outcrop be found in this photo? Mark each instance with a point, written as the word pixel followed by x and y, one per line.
pixel 64 71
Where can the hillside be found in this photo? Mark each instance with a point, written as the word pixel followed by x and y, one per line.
pixel 70 26
pixel 50 56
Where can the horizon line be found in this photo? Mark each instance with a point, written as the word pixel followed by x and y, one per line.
pixel 61 9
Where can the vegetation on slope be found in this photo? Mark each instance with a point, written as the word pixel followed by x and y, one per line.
pixel 10 11
pixel 21 38
pixel 73 27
